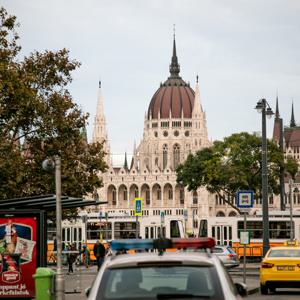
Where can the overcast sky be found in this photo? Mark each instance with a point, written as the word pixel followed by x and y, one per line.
pixel 242 50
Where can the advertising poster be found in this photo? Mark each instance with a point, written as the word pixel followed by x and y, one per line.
pixel 18 256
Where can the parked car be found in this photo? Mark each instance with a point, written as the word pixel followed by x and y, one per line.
pixel 163 275
pixel 227 255
pixel 280 268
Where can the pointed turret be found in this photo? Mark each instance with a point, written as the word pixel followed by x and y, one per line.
pixel 277 115
pixel 125 162
pixel 99 128
pixel 292 123
pixel 277 130
pixel 197 109
pixel 174 66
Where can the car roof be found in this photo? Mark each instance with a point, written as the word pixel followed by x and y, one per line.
pixel 138 259
pixel 285 248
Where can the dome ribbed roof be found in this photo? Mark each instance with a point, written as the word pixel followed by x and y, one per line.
pixel 173 96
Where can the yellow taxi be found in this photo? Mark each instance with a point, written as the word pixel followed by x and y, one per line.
pixel 280 267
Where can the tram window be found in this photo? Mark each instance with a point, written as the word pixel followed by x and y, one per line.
pixel 203 228
pixel 174 229
pixel 277 229
pixel 125 230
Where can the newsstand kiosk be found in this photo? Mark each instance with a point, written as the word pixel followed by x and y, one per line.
pixel 23 248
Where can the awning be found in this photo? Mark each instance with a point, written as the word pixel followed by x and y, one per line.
pixel 47 202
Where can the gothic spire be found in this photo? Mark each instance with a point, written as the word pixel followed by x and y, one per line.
pixel 174 66
pixel 125 162
pixel 292 123
pixel 277 116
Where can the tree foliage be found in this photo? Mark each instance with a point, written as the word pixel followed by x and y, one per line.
pixel 232 165
pixel 38 119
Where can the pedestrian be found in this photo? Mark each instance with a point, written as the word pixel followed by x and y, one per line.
pixel 71 257
pixel 99 252
pixel 86 255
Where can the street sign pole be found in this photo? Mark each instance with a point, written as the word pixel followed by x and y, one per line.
pixel 244 202
pixel 244 261
pixel 138 213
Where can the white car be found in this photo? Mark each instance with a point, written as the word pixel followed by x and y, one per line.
pixel 227 255
pixel 162 274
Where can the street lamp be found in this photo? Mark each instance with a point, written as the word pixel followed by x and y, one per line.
pixel 264 108
pixel 291 196
pixel 49 165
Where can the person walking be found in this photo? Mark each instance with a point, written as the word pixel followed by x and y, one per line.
pixel 99 252
pixel 86 255
pixel 71 257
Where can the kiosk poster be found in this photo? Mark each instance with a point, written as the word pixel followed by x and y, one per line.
pixel 17 256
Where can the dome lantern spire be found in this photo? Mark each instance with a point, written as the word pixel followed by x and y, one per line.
pixel 174 66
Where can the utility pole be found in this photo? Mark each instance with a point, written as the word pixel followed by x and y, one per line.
pixel 60 282
pixel 281 179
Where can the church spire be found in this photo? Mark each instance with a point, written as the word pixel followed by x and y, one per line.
pixel 292 123
pixel 174 66
pixel 277 116
pixel 99 128
pixel 125 162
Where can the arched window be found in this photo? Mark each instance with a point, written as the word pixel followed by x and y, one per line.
pixel 136 192
pixel 220 214
pixel 176 155
pixel 165 156
pixel 170 193
pixel 181 196
pixel 147 196
pixel 195 197
pixel 114 196
pixel 159 193
pixel 125 193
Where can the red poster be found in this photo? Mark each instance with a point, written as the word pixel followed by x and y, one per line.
pixel 18 250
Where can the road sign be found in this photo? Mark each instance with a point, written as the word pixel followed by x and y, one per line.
pixel 244 238
pixel 138 207
pixel 244 199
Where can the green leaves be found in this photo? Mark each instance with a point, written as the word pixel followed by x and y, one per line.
pixel 38 119
pixel 231 165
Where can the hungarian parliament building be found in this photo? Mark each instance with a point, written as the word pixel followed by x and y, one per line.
pixel 174 126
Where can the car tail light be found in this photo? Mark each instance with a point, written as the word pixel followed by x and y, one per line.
pixel 267 265
pixel 231 255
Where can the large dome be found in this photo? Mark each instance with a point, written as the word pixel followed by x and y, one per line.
pixel 174 96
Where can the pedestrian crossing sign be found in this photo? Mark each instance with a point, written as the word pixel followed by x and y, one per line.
pixel 138 207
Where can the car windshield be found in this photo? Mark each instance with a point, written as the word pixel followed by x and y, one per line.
pixel 285 253
pixel 160 282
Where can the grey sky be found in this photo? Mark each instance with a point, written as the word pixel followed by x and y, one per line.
pixel 241 50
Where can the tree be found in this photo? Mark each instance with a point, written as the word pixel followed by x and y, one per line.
pixel 231 165
pixel 38 119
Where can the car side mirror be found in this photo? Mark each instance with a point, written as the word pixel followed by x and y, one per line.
pixel 87 291
pixel 241 288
